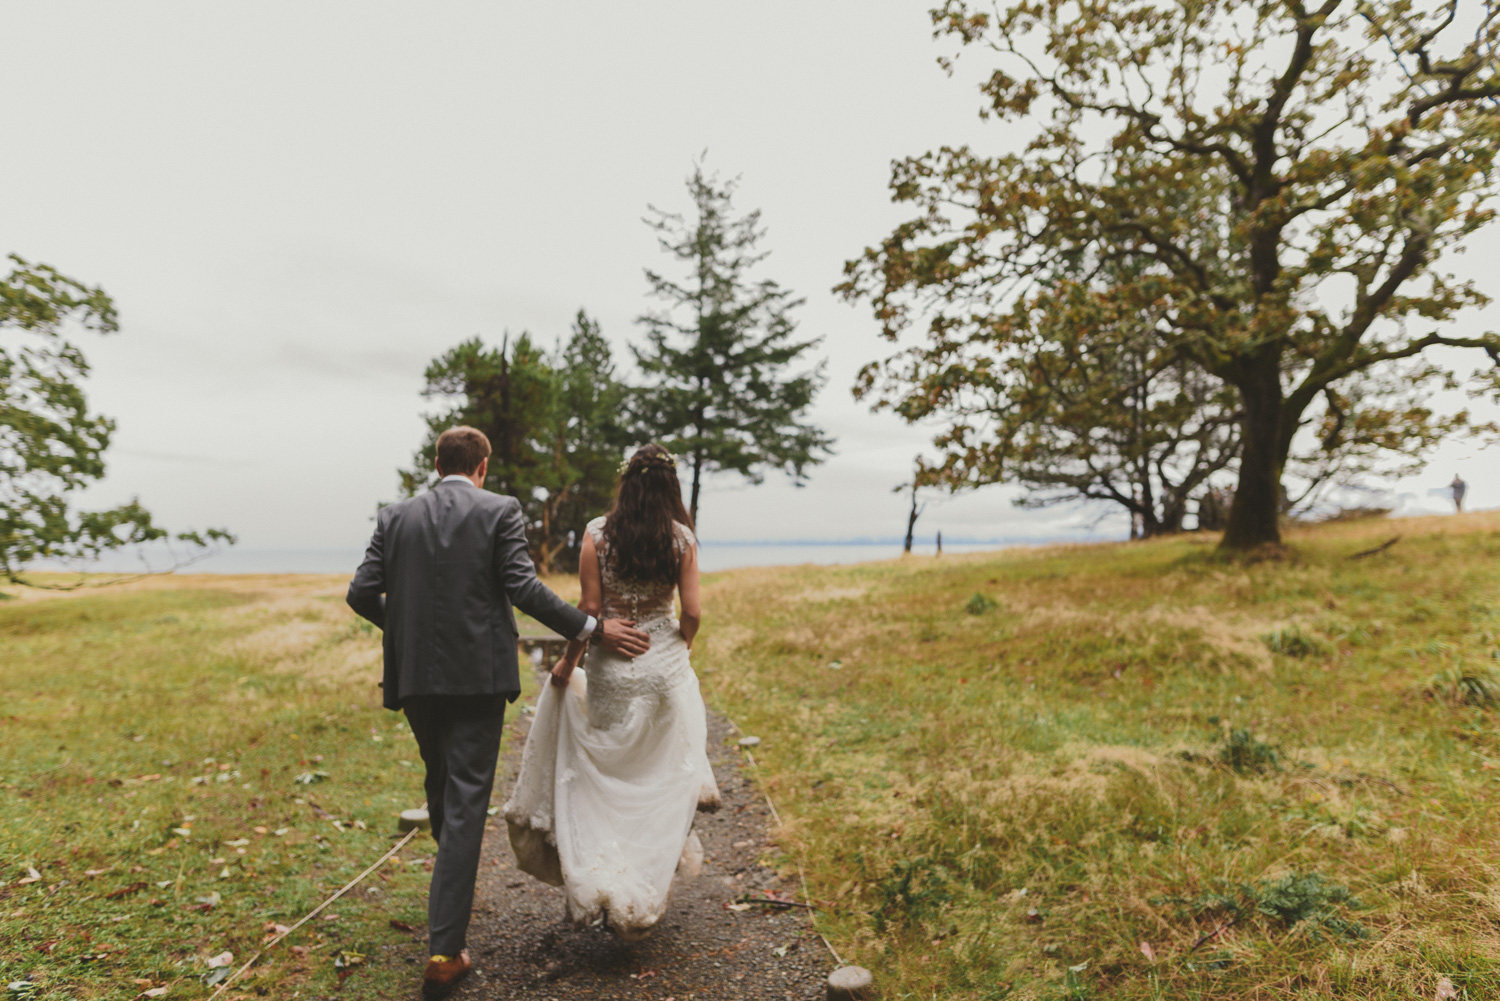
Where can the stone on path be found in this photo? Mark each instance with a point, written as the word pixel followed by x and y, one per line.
pixel 851 983
pixel 412 820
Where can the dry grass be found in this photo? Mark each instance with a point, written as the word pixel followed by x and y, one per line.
pixel 1139 743
pixel 1135 745
pixel 193 704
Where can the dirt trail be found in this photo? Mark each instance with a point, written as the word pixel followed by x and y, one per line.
pixel 523 948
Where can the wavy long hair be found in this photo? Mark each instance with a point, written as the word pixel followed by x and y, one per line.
pixel 642 544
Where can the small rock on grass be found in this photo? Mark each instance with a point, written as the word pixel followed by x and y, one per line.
pixel 851 983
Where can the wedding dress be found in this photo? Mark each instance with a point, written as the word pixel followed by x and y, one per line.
pixel 615 767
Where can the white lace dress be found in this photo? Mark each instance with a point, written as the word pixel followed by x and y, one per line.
pixel 615 767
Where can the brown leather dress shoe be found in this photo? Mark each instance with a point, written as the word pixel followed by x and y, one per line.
pixel 444 973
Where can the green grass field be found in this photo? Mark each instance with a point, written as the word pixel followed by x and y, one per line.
pixel 190 762
pixel 1137 771
pixel 1124 771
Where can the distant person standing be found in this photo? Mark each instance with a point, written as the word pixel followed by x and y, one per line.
pixel 1459 488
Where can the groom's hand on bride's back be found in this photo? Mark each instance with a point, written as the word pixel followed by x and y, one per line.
pixel 621 636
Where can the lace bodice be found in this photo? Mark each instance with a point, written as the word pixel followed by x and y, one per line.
pixel 628 599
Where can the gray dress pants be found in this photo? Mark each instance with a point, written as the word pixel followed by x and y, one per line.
pixel 459 739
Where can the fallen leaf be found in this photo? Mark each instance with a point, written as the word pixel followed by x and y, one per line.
pixel 125 891
pixel 212 900
pixel 1445 990
pixel 345 959
pixel 272 930
pixel 237 842
pixel 155 992
pixel 222 959
pixel 95 872
pixel 300 951
pixel 737 907
pixel 403 926
pixel 1148 952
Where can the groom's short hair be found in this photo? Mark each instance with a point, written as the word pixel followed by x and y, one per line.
pixel 460 450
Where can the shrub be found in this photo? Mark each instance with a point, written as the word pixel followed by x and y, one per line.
pixel 1309 900
pixel 916 889
pixel 1244 753
pixel 1469 686
pixel 1293 642
pixel 979 604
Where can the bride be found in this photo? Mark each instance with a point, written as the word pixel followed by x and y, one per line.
pixel 616 764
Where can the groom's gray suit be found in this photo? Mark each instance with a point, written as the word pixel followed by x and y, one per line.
pixel 440 577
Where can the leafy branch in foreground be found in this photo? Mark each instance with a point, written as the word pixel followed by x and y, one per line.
pixel 1279 185
pixel 50 445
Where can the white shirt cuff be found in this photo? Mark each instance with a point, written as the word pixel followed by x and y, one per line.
pixel 588 629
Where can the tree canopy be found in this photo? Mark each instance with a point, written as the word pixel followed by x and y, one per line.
pixel 717 360
pixel 1273 186
pixel 558 424
pixel 50 445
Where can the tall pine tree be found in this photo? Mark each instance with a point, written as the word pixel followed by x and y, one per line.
pixel 718 356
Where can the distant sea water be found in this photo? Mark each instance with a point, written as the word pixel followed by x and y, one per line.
pixel 713 555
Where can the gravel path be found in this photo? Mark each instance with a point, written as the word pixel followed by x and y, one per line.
pixel 523 947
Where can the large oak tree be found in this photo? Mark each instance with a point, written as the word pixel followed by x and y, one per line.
pixel 1282 181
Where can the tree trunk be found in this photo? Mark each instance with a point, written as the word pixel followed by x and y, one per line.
pixel 911 519
pixel 1254 513
pixel 697 482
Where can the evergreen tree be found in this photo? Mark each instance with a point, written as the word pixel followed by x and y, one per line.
pixel 589 433
pixel 556 424
pixel 717 357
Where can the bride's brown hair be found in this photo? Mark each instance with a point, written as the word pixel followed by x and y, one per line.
pixel 641 541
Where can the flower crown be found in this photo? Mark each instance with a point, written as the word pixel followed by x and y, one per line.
pixel 653 461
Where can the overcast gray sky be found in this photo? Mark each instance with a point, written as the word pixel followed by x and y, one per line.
pixel 297 205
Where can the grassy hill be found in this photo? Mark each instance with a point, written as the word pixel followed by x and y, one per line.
pixel 1137 771
pixel 1122 771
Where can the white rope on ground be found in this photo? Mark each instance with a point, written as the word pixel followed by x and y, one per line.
pixel 812 914
pixel 314 912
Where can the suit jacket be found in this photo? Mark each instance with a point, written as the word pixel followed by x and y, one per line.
pixel 440 577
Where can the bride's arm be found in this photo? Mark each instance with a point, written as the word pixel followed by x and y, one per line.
pixel 687 589
pixel 591 603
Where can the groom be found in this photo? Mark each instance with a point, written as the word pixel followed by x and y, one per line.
pixel 440 577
